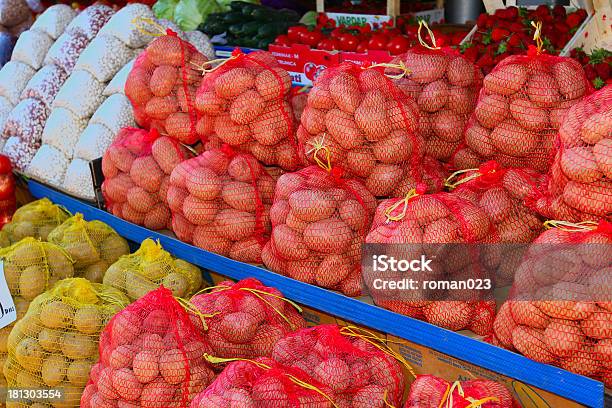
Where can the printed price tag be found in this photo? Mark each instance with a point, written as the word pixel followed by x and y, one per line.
pixel 8 314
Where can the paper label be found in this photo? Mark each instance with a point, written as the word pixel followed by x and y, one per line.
pixel 8 314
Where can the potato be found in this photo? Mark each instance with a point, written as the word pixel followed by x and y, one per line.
pixel 543 90
pixel 56 315
pixel 603 156
pixel 136 286
pixel 528 115
pixel 569 77
pixel 425 68
pixel 461 101
pixel 332 270
pixel 311 205
pixel 78 346
pixel 344 129
pixel 246 107
pixel 579 164
pixel 448 126
pixel 591 198
pixel 491 110
pixel 383 179
pixel 78 372
pixel 113 247
pixel 207 238
pixel 451 315
pixel 596 127
pixel 32 282
pixel 199 212
pixel 235 225
pixel 478 139
pixel 344 91
pixel 513 140
pixel 505 79
pixel 233 82
pixel 230 132
pixel 53 369
pixel 563 337
pixel 87 319
pixel 29 354
pixel 177 283
pixel 328 236
pixel 531 343
pixel 434 96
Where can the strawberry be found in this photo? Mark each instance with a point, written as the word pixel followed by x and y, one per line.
pixel 481 22
pixel 514 40
pixel 561 27
pixel 485 60
pixel 559 12
pixel 499 34
pixel 512 13
pixel 516 27
pixel 590 72
pixel 574 20
pixel 603 70
pixel 471 54
pixel 542 11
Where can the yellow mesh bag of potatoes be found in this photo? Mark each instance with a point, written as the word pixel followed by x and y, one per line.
pixel 93 245
pixel 149 267
pixel 36 219
pixel 55 345
pixel 30 267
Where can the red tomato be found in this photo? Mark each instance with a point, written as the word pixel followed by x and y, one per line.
pixel 328 44
pixel 282 40
pixel 362 47
pixel 5 164
pixel 294 33
pixel 337 32
pixel 348 42
pixel 311 38
pixel 398 45
pixel 378 42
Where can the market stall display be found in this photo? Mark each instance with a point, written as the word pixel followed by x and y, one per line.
pixel 151 355
pixel 15 16
pixel 149 267
pixel 563 316
pixel 92 245
pixel 56 342
pixel 246 319
pixel 579 184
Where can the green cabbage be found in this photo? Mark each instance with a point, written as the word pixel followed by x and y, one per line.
pixel 189 14
pixel 165 9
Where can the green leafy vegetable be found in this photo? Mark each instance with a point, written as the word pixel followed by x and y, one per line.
pixel 189 14
pixel 165 9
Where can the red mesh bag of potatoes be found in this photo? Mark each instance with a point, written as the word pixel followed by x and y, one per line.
pixel 220 201
pixel 263 382
pixel 580 180
pixel 357 367
pixel 161 87
pixel 245 319
pixel 503 195
pixel 445 86
pixel 560 307
pixel 456 235
pixel 151 355
pixel 137 168
pixel 520 109
pixel 369 126
pixel 245 101
pixel 319 221
pixel 429 391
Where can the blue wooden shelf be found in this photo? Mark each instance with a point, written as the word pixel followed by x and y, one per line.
pixel 571 386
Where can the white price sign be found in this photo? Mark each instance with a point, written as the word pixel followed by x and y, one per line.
pixel 8 314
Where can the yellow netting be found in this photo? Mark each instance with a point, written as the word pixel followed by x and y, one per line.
pixel 36 219
pixel 56 343
pixel 93 245
pixel 150 266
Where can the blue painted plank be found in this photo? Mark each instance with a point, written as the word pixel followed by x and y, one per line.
pixel 555 380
